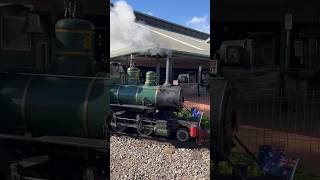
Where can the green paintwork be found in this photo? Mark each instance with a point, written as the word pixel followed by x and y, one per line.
pixel 161 128
pixel 74 47
pixel 151 78
pixel 157 96
pixel 133 75
pixel 73 39
pixel 11 91
pixel 161 132
pixel 53 105
pixel 78 24
pixel 131 94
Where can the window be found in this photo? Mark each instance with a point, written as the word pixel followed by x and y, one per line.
pixel 12 37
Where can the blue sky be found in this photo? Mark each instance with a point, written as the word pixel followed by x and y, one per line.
pixel 191 13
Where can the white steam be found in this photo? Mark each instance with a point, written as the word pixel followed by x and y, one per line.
pixel 124 32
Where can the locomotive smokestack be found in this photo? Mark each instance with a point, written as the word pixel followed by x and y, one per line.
pixel 131 60
pixel 133 73
pixel 168 74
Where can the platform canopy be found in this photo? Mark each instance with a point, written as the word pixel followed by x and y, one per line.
pixel 167 41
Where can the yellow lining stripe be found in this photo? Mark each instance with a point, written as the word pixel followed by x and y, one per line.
pixel 24 99
pixel 85 108
pixel 155 95
pixel 118 94
pixel 137 95
pixel 74 31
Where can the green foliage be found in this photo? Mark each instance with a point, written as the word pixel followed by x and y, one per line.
pixel 183 114
pixel 186 114
pixel 253 170
pixel 241 158
pixel 205 122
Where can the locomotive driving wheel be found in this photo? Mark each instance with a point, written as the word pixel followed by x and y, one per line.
pixel 115 125
pixel 143 127
pixel 182 134
pixel 224 118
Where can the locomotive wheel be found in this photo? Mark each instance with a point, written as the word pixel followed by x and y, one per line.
pixel 141 129
pixel 229 124
pixel 115 125
pixel 182 134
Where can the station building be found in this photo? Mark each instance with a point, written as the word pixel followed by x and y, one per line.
pixel 190 50
pixel 286 36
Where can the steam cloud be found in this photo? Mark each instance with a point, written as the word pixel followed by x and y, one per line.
pixel 125 32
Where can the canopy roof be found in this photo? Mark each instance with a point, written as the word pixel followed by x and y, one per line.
pixel 177 44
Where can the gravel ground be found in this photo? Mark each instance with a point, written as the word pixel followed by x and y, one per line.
pixel 133 158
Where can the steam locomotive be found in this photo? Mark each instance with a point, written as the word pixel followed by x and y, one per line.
pixel 53 125
pixel 148 108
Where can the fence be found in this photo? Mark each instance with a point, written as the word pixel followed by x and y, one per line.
pixel 290 119
pixel 196 97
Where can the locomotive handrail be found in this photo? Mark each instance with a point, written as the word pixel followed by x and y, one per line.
pixel 57 75
pixel 133 106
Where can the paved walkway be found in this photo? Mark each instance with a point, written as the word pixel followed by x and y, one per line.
pixel 202 103
pixel 306 148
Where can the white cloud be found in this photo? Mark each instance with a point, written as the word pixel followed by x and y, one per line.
pixel 199 23
pixel 148 12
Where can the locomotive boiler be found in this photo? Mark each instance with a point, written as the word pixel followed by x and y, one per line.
pixel 53 105
pixel 147 107
pixel 60 112
pixel 147 95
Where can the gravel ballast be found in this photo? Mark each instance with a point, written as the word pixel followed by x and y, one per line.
pixel 135 158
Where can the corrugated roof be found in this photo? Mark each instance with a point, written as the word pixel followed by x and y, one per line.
pixel 166 40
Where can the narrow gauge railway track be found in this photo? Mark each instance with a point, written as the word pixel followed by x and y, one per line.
pixel 172 141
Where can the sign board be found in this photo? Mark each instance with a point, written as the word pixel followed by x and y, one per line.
pixel 175 82
pixel 213 64
pixel 288 21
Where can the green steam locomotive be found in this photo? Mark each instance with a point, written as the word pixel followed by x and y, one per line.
pixel 68 101
pixel 57 120
pixel 148 108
